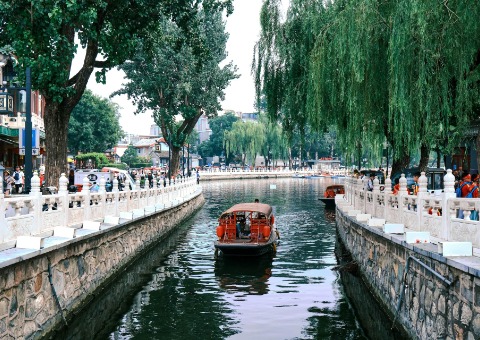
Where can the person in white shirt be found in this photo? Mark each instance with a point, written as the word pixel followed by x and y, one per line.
pixel 18 176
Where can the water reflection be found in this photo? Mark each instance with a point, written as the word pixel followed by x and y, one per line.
pixel 187 294
pixel 248 275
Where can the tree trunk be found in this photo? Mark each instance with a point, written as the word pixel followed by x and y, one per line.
pixel 56 126
pixel 400 163
pixel 477 144
pixel 424 155
pixel 175 161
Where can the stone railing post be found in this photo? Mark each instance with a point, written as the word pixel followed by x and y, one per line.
pixel 63 197
pixel 448 193
pixel 3 219
pixel 388 193
pixel 128 194
pixel 401 193
pixel 116 196
pixel 155 190
pixel 376 193
pixel 421 196
pixel 137 203
pixel 358 200
pixel 102 190
pixel 87 210
pixel 36 196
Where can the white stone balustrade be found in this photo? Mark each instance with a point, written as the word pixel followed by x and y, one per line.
pixel 38 215
pixel 435 213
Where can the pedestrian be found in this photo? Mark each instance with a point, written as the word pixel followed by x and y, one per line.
pixel 8 183
pixel 150 179
pixel 198 177
pixel 370 182
pixel 396 187
pixel 414 189
pixel 466 189
pixel 18 176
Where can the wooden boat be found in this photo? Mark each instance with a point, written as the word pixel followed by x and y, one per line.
pixel 329 195
pixel 247 229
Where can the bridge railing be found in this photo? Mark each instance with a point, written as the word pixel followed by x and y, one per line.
pixel 37 214
pixel 444 215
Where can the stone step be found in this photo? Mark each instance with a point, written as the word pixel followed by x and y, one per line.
pixel 67 232
pixel 136 213
pixel 376 222
pixel 91 225
pixel 149 209
pixel 30 242
pixel 394 228
pixel 112 220
pixel 363 217
pixel 417 237
pixel 353 212
pixel 455 248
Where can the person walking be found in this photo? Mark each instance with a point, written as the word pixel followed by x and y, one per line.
pixel 18 176
pixel 8 182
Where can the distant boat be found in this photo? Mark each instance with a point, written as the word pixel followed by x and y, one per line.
pixel 329 195
pixel 247 229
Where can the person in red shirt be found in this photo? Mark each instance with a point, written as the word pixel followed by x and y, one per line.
pixel 396 187
pixel 468 187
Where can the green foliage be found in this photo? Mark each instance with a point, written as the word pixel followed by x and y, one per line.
pixel 282 62
pixel 94 125
pixel 246 139
pixel 406 72
pixel 130 156
pixel 137 165
pixel 94 158
pixel 120 166
pixel 42 35
pixel 177 73
pixel 214 145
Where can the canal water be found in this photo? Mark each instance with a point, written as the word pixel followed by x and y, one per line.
pixel 178 290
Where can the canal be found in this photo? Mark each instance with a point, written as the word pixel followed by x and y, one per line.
pixel 179 291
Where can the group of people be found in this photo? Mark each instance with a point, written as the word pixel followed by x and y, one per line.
pixel 13 183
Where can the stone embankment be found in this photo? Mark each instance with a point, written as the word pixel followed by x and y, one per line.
pixel 46 288
pixel 418 254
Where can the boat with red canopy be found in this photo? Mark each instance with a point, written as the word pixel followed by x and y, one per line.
pixel 247 229
pixel 329 195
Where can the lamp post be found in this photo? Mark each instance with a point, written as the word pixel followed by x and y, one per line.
pixel 7 101
pixel 385 144
pixel 28 132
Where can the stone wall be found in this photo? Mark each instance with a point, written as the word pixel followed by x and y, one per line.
pixel 28 304
pixel 430 309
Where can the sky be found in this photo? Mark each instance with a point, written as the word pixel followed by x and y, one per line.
pixel 244 29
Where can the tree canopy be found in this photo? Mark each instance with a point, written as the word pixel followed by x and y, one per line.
pixel 214 146
pixel 404 72
pixel 41 34
pixel 94 125
pixel 169 77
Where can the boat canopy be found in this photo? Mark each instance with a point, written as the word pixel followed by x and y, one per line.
pixel 335 187
pixel 252 207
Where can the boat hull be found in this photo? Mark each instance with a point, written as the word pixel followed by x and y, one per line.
pixel 247 247
pixel 329 202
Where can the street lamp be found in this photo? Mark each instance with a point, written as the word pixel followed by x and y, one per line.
pixel 6 105
pixel 385 145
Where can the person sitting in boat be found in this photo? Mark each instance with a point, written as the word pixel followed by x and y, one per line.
pixel 239 229
pixel 329 193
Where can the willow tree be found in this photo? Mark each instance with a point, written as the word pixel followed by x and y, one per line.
pixel 42 35
pixel 245 139
pixel 281 60
pixel 434 58
pixel 177 75
pixel 348 85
